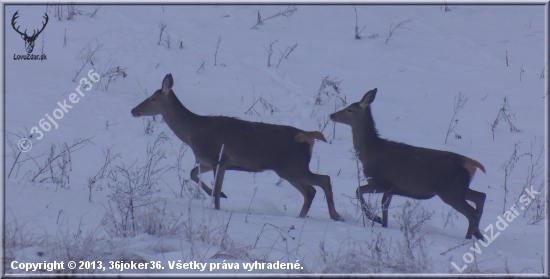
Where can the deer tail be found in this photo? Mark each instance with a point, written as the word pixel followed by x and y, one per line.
pixel 317 135
pixel 475 163
pixel 471 165
pixel 309 137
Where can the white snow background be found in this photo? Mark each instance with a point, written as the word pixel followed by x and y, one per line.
pixel 484 52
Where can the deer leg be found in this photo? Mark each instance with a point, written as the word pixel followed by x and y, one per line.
pixel 308 192
pixel 323 181
pixel 306 177
pixel 460 205
pixel 219 180
pixel 478 198
pixel 303 176
pixel 371 188
pixel 386 199
pixel 195 177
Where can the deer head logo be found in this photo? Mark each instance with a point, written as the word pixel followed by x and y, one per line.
pixel 29 40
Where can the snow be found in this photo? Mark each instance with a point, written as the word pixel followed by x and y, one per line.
pixel 484 52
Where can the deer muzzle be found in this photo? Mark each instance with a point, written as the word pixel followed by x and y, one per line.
pixel 135 113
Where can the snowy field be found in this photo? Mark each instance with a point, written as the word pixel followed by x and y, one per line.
pixel 100 187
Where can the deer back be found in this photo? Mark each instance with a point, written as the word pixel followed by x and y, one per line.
pixel 252 146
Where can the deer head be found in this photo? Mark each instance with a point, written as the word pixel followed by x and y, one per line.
pixel 155 104
pixel 356 112
pixel 29 40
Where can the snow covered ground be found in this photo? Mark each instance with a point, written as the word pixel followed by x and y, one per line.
pixel 59 206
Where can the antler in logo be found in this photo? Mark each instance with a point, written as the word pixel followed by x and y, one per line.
pixel 29 40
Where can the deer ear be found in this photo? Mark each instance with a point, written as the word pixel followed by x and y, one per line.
pixel 167 83
pixel 368 98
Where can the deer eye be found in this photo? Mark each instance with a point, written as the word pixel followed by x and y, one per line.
pixel 349 110
pixel 153 99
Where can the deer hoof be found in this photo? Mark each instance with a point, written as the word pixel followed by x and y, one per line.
pixel 479 236
pixel 338 218
pixel 222 195
pixel 476 233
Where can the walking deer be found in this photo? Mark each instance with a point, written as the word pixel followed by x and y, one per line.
pixel 395 168
pixel 222 143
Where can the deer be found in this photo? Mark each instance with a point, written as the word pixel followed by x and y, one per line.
pixel 395 168
pixel 222 143
pixel 29 40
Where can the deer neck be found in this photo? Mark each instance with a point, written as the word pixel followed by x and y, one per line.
pixel 181 121
pixel 365 136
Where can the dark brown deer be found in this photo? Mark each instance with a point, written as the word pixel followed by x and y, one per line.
pixel 29 40
pixel 395 168
pixel 222 143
